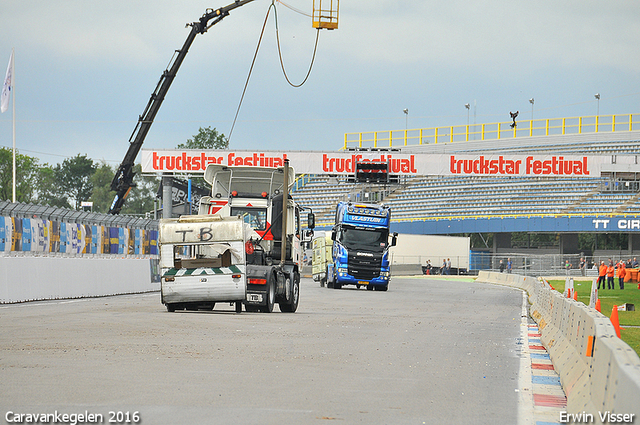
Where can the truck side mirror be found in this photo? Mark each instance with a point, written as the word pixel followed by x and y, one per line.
pixel 394 239
pixel 333 235
pixel 311 221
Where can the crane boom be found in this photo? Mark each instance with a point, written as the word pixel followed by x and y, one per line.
pixel 123 180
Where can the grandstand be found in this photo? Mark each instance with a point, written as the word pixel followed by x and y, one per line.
pixel 424 198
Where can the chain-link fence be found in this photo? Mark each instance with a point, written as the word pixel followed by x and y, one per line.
pixel 544 265
pixel 45 212
pixel 523 264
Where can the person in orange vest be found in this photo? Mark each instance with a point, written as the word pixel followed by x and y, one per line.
pixel 611 269
pixel 621 273
pixel 602 273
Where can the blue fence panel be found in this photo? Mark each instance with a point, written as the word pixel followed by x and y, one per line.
pixel 153 242
pixel 26 234
pixel 113 240
pixel 3 235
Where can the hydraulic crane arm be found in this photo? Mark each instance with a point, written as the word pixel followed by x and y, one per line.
pixel 123 180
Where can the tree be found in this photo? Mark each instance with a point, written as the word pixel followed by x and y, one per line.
pixel 102 195
pixel 140 200
pixel 75 175
pixel 49 187
pixel 26 175
pixel 207 138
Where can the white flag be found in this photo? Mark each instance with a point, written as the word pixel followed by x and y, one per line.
pixel 7 86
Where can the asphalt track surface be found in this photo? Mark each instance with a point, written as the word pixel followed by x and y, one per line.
pixel 425 352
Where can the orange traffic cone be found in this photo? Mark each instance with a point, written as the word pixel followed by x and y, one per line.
pixel 575 295
pixel 598 304
pixel 614 320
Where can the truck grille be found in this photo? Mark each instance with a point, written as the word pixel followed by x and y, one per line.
pixel 364 267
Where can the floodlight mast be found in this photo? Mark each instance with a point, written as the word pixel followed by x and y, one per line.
pixel 123 180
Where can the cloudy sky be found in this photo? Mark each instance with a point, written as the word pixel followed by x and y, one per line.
pixel 85 69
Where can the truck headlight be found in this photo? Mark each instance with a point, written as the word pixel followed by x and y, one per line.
pixel 342 270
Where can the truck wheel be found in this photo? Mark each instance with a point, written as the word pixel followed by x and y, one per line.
pixel 238 307
pixel 171 308
pixel 323 282
pixel 271 296
pixel 382 288
pixel 337 285
pixel 292 306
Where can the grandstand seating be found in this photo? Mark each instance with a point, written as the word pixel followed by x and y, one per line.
pixel 428 197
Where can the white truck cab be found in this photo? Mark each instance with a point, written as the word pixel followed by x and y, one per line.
pixel 203 261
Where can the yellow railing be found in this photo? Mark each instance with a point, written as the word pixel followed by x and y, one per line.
pixel 493 131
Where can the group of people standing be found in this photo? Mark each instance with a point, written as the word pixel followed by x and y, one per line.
pixel 446 266
pixel 509 265
pixel 610 271
pixel 445 269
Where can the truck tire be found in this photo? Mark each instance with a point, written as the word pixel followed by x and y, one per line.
pixel 294 298
pixel 238 307
pixel 271 295
pixel 171 308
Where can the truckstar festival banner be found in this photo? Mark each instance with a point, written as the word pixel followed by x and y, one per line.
pixel 196 161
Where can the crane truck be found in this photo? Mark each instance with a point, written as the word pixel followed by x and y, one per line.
pixel 360 252
pixel 122 182
pixel 243 247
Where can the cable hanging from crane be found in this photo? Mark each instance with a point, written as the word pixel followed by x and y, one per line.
pixel 293 8
pixel 313 58
pixel 246 83
pixel 255 55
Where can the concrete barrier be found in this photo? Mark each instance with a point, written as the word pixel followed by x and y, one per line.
pixel 29 278
pixel 599 372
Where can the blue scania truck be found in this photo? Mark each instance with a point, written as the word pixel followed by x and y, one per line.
pixel 361 247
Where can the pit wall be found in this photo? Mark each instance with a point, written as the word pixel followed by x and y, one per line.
pixel 30 278
pixel 598 371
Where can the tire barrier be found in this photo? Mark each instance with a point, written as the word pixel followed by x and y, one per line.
pixel 599 372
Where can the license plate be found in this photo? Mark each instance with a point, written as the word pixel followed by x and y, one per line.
pixel 363 282
pixel 254 298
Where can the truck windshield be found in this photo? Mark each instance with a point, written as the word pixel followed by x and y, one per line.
pixel 371 240
pixel 254 217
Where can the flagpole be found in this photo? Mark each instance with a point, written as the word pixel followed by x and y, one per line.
pixel 13 89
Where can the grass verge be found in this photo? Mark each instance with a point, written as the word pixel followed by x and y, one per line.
pixel 629 320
